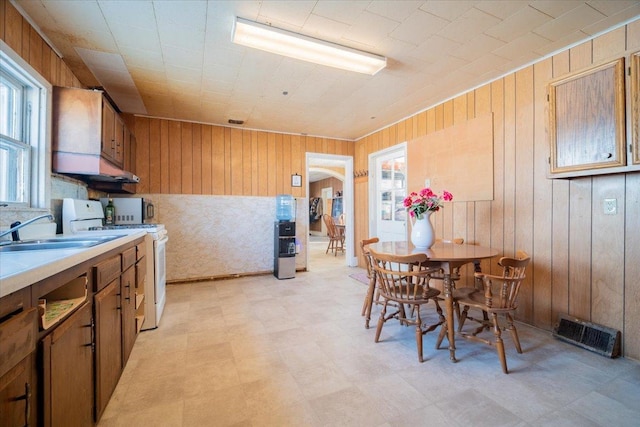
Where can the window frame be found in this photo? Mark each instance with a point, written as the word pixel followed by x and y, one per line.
pixel 38 179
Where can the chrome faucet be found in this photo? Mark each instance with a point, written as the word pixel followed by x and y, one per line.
pixel 18 225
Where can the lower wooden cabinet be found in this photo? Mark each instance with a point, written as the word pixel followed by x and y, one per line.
pixel 62 372
pixel 129 330
pixel 108 320
pixel 67 371
pixel 18 394
pixel 18 389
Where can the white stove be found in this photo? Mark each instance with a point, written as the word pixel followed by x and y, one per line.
pixel 87 216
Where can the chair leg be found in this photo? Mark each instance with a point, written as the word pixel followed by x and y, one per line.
pixel 499 343
pixel 441 335
pixel 462 317
pixel 443 328
pixel 514 333
pixel 368 297
pixel 419 334
pixel 368 302
pixel 381 321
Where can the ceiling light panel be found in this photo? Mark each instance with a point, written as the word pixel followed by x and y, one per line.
pixel 293 45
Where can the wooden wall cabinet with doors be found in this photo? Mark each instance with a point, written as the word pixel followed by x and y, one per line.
pixel 113 134
pixel 589 120
pixel 85 122
pixel 18 335
pixel 130 145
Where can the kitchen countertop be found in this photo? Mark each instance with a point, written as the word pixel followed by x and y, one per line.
pixel 21 269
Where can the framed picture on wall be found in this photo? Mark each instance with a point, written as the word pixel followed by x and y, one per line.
pixel 296 180
pixel 587 119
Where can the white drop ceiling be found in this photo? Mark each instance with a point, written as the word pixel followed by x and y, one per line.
pixel 175 59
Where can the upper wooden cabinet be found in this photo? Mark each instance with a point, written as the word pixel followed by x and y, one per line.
pixel 587 119
pixel 113 134
pixel 85 122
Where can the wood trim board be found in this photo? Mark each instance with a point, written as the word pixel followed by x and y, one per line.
pixel 458 159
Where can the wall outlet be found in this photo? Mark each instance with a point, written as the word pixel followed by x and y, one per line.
pixel 610 206
pixel 427 183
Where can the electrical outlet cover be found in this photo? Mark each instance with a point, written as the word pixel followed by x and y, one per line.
pixel 610 206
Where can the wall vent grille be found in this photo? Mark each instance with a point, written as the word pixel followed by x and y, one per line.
pixel 597 338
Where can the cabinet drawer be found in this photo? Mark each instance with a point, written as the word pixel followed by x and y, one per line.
pixel 141 251
pixel 107 271
pixel 128 258
pixel 18 336
pixel 15 301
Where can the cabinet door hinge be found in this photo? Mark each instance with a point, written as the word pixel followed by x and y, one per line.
pixel 629 71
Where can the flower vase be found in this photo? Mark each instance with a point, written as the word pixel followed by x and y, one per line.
pixel 422 234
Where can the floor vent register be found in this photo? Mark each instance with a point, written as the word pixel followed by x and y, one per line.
pixel 597 338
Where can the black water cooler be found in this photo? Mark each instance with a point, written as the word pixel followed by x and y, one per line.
pixel 284 260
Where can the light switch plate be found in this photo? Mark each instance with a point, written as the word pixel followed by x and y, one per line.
pixel 610 206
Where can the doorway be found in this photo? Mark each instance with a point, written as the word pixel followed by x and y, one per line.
pixel 332 163
pixel 326 196
pixel 388 189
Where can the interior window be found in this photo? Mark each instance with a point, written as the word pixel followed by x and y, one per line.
pixel 23 118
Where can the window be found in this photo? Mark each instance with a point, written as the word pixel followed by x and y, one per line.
pixel 24 162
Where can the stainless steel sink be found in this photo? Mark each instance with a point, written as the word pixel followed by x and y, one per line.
pixel 56 243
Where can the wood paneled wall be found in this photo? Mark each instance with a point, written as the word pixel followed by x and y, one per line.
pixel 585 263
pixel 16 32
pixel 189 158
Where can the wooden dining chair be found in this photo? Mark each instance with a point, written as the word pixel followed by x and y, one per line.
pixel 499 296
pixel 336 239
pixel 404 280
pixel 373 295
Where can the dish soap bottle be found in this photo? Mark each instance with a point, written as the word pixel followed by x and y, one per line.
pixel 109 213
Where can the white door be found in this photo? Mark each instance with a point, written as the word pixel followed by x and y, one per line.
pixel 391 189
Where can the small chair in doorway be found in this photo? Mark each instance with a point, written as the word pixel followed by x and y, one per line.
pixel 373 295
pixel 498 296
pixel 404 280
pixel 336 239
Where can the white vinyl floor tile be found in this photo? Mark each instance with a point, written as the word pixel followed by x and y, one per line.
pixel 258 351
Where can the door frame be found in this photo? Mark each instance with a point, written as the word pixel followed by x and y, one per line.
pixel 347 196
pixel 373 183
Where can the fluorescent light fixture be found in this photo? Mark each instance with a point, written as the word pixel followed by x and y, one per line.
pixel 297 46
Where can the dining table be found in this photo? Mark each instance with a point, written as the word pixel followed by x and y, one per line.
pixel 448 256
